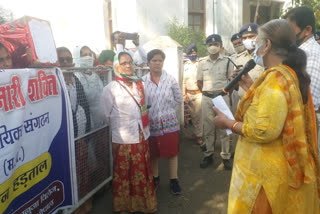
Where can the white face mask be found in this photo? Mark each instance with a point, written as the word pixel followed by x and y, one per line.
pixel 86 61
pixel 239 49
pixel 213 49
pixel 258 59
pixel 248 44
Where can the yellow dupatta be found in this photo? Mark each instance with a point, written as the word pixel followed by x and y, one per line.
pixel 299 135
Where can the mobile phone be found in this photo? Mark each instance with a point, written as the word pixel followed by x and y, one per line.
pixel 131 36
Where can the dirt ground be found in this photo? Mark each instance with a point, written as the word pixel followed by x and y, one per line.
pixel 204 191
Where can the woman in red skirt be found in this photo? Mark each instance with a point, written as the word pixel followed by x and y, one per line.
pixel 163 94
pixel 123 105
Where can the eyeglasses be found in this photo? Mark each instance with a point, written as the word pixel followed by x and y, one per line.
pixel 63 59
pixel 126 63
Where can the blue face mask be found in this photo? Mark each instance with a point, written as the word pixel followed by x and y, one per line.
pixel 193 57
pixel 258 59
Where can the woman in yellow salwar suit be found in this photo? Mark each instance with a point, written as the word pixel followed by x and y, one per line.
pixel 276 166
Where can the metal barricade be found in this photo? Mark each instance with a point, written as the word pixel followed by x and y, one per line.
pixel 92 137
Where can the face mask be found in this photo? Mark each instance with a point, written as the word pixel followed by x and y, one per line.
pixel 213 49
pixel 193 58
pixel 248 44
pixel 298 39
pixel 86 61
pixel 258 59
pixel 239 49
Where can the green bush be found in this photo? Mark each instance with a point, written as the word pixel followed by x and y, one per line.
pixel 185 35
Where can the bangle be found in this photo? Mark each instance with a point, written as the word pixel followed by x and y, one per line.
pixel 234 125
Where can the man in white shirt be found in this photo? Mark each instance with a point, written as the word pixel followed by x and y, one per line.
pixel 303 22
pixel 119 42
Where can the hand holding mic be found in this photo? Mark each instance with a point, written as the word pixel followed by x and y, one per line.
pixel 248 67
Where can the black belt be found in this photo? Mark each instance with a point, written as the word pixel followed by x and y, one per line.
pixel 211 94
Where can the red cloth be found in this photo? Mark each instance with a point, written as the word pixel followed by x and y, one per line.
pixel 163 146
pixel 133 189
pixel 17 39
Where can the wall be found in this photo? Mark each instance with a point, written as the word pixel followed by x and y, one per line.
pixel 148 18
pixel 246 12
pixel 227 19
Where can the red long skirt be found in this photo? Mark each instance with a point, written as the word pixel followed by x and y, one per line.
pixel 133 189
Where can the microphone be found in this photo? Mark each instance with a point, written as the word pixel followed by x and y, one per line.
pixel 248 66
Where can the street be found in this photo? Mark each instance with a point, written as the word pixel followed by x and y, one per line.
pixel 204 191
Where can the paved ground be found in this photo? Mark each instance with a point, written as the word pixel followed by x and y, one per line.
pixel 205 191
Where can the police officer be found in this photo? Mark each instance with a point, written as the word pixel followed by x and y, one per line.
pixel 191 93
pixel 212 76
pixel 248 33
pixel 238 46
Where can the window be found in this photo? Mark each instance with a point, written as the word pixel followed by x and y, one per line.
pixel 196 18
pixel 266 12
pixel 263 14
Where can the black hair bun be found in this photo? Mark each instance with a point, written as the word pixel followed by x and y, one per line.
pixel 292 48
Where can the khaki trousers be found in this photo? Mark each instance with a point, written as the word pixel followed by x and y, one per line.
pixel 210 133
pixel 194 105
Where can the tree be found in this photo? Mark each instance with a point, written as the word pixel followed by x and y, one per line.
pixel 185 35
pixel 5 15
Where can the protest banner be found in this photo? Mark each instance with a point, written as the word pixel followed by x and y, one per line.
pixel 37 160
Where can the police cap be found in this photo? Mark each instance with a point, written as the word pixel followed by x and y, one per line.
pixel 213 38
pixel 191 48
pixel 249 28
pixel 236 36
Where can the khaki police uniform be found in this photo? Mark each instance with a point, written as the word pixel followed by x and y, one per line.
pixel 194 96
pixel 214 75
pixel 242 59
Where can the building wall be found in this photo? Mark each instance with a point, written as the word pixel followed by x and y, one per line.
pixel 153 16
pixel 246 12
pixel 148 18
pixel 226 19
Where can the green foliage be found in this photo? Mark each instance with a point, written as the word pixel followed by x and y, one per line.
pixel 313 4
pixel 185 35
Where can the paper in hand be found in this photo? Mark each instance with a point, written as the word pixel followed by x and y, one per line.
pixel 220 104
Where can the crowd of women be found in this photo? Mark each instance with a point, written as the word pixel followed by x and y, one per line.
pixel 276 165
pixel 276 162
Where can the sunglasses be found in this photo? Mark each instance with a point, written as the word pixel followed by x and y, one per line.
pixel 63 59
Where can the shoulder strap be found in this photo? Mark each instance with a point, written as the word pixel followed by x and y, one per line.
pixel 130 94
pixel 228 68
